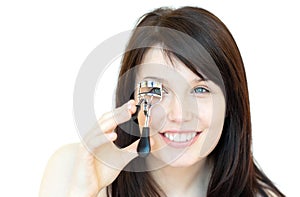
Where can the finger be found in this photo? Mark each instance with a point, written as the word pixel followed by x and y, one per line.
pixel 130 152
pixel 109 121
pixel 125 155
pixel 116 158
pixel 132 148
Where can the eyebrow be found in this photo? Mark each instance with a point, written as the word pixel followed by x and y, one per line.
pixel 196 80
pixel 156 79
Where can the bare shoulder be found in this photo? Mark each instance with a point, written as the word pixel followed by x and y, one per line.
pixel 63 157
pixel 68 150
pixel 58 172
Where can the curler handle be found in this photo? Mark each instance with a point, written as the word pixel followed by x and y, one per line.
pixel 144 147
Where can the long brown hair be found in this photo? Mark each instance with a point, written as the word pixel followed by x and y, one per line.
pixel 234 170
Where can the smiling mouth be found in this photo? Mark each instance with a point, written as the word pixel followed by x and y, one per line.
pixel 180 137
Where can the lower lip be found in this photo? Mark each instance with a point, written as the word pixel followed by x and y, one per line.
pixel 180 144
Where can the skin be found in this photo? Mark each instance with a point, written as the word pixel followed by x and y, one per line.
pixel 75 170
pixel 182 109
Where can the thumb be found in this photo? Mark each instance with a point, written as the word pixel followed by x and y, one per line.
pixel 115 157
pixel 119 158
pixel 132 148
pixel 130 152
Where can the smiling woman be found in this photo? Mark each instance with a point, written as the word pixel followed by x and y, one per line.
pixel 185 111
pixel 199 128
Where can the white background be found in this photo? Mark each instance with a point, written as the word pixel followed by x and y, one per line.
pixel 43 44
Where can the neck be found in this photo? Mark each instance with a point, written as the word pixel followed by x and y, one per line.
pixel 184 181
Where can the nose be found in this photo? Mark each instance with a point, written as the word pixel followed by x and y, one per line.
pixel 179 110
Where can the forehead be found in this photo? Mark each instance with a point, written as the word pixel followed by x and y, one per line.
pixel 156 63
pixel 156 55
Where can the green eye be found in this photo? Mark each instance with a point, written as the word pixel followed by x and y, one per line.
pixel 200 90
pixel 155 91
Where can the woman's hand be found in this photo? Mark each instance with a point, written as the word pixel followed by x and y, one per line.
pixel 92 175
pixel 85 170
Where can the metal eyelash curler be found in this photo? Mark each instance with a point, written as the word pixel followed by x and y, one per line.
pixel 149 94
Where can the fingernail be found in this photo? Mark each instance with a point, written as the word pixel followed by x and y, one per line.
pixel 112 136
pixel 129 105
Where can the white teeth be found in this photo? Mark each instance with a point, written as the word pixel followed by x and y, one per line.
pixel 177 138
pixel 194 134
pixel 189 137
pixel 180 137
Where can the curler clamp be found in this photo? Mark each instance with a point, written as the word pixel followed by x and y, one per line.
pixel 149 94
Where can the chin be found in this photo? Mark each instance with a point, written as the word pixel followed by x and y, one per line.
pixel 184 159
pixel 181 164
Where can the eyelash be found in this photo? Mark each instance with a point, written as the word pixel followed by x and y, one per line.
pixel 203 90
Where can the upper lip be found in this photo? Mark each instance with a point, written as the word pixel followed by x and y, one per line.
pixel 179 131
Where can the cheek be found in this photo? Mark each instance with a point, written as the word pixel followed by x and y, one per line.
pixel 204 114
pixel 158 118
pixel 215 122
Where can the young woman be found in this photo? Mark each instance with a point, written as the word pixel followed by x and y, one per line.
pixel 200 131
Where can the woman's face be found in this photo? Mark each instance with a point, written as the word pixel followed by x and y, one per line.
pixel 187 123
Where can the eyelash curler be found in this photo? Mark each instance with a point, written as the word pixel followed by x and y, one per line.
pixel 149 94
